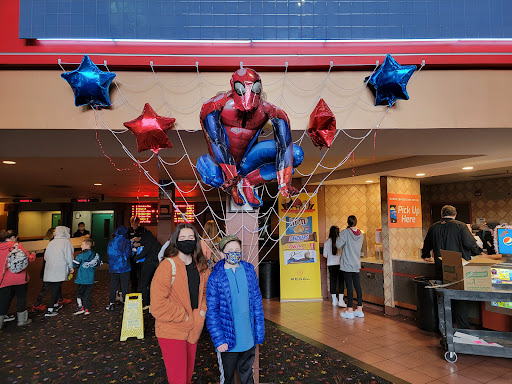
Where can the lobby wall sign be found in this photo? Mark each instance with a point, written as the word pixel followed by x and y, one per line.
pixel 298 248
pixel 404 211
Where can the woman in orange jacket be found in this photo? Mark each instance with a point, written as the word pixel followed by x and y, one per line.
pixel 178 302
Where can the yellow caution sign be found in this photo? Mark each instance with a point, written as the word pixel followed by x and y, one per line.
pixel 133 321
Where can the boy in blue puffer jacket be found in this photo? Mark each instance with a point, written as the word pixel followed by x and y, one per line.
pixel 235 317
pixel 119 252
pixel 86 261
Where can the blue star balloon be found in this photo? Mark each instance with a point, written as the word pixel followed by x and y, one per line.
pixel 389 82
pixel 90 84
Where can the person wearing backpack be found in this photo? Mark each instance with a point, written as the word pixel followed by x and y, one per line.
pixel 178 302
pixel 14 259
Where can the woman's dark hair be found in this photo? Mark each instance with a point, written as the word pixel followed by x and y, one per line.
pixel 333 235
pixel 4 235
pixel 351 221
pixel 172 249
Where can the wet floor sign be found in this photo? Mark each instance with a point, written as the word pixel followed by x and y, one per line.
pixel 133 321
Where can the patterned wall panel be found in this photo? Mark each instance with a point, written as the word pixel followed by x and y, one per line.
pixel 494 200
pixel 363 201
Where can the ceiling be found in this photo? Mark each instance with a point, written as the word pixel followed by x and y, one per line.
pixel 62 164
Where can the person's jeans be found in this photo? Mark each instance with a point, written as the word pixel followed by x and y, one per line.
pixel 353 278
pixel 336 279
pixel 242 361
pixel 115 280
pixel 8 293
pixel 84 293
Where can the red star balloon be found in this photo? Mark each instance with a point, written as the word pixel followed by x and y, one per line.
pixel 322 125
pixel 150 130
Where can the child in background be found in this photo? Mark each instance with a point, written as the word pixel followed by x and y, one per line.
pixel 86 261
pixel 234 316
pixel 119 252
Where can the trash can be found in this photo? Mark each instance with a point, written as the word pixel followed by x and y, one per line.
pixel 426 304
pixel 269 279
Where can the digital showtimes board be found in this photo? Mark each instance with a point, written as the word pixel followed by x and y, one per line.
pixel 188 210
pixel 147 213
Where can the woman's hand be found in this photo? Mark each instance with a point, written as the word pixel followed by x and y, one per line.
pixel 222 347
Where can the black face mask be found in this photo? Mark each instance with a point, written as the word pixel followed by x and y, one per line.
pixel 186 246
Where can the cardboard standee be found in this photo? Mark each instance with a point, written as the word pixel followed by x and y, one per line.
pixel 133 320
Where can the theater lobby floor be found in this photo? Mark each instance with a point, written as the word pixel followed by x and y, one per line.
pixel 393 345
pixel 305 342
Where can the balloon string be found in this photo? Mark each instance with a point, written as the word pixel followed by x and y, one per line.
pixel 374 141
pixel 104 154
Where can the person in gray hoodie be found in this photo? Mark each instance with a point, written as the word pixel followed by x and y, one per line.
pixel 59 264
pixel 351 240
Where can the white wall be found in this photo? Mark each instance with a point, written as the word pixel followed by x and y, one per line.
pixel 34 223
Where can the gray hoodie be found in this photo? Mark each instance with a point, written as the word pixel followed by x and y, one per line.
pixel 352 242
pixel 58 256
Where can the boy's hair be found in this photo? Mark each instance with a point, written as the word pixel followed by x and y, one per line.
pixel 228 239
pixel 81 223
pixel 134 219
pixel 448 210
pixel 88 241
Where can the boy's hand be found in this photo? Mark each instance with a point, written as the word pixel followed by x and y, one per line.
pixel 222 347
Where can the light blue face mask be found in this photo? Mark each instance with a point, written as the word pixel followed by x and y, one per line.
pixel 233 257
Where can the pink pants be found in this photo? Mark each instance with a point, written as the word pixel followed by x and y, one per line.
pixel 179 358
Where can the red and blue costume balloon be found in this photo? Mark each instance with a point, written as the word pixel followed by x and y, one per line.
pixel 237 162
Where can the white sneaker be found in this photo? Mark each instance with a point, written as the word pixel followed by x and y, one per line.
pixel 358 314
pixel 342 304
pixel 347 315
pixel 334 302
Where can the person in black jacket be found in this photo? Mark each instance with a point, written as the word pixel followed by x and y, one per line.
pixel 148 257
pixel 451 235
pixel 135 231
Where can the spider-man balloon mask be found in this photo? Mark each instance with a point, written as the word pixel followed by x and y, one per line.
pixel 246 86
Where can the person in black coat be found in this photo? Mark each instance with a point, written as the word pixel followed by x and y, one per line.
pixel 135 231
pixel 451 235
pixel 148 257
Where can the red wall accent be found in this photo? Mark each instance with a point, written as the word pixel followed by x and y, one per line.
pixel 15 52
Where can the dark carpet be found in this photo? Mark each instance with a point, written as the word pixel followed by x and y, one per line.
pixel 70 349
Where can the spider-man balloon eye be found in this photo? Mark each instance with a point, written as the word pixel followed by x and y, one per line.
pixel 239 88
pixel 256 87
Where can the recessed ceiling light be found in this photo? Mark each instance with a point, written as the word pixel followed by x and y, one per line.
pixel 467 168
pixel 9 162
pixel 420 174
pixel 98 184
pixel 369 181
pixel 146 195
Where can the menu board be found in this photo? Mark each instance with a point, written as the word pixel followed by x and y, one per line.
pixel 147 213
pixel 187 210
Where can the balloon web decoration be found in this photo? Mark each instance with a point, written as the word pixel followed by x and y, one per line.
pixel 322 131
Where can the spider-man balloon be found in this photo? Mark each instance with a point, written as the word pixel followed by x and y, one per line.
pixel 237 162
pixel 322 125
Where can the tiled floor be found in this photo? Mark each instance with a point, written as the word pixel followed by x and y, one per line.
pixel 392 344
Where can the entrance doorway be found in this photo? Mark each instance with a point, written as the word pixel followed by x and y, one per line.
pixel 102 225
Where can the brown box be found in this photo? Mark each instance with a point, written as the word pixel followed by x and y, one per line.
pixel 475 273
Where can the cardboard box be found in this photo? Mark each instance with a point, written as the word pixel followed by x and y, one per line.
pixel 475 273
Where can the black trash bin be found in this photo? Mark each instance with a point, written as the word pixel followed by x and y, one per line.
pixel 426 304
pixel 269 279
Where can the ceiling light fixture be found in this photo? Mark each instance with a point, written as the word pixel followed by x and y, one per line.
pixel 467 168
pixel 9 162
pixel 420 174
pixel 146 195
pixel 97 184
pixel 369 181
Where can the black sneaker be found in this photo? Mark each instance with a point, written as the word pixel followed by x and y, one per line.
pixel 51 314
pixel 57 307
pixel 8 318
pixel 110 307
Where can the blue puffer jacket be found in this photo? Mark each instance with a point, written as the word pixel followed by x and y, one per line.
pixel 119 251
pixel 219 316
